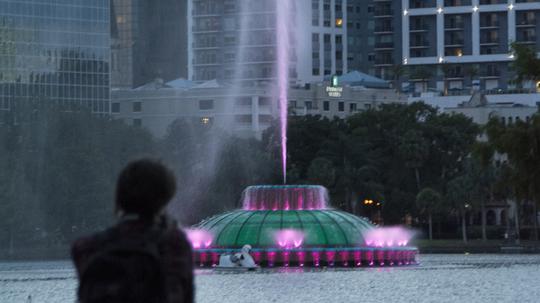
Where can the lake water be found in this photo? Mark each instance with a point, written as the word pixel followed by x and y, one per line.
pixel 439 278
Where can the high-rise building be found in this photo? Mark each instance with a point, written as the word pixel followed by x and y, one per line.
pixel 387 35
pixel 454 45
pixel 236 39
pixel 55 51
pixel 360 35
pixel 149 41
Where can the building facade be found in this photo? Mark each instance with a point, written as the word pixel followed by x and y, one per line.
pixel 55 51
pixel 455 45
pixel 249 112
pixel 149 41
pixel 237 39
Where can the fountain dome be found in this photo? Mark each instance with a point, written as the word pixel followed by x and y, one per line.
pixel 294 226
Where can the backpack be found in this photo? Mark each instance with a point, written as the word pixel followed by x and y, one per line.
pixel 126 269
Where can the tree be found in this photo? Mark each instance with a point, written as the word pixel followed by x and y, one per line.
pixel 321 171
pixel 458 195
pixel 471 71
pixel 414 149
pixel 398 70
pixel 526 64
pixel 487 176
pixel 520 142
pixel 429 201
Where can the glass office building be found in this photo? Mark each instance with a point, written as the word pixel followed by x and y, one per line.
pixel 55 51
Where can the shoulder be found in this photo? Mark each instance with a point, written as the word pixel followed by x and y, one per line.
pixel 85 247
pixel 174 234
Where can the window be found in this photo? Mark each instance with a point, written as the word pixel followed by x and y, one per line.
pixel 309 105
pixel 206 120
pixel 316 72
pixel 206 104
pixel 137 107
pixel 341 106
pixel 115 107
pixel 137 122
pixel 326 106
pixel 352 107
pixel 264 101
pixel 327 38
pixel 243 101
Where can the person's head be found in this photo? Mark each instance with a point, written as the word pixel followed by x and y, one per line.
pixel 144 187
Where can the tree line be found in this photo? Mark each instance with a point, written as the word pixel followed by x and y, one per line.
pixel 417 166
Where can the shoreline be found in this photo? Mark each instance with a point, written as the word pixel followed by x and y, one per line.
pixel 424 247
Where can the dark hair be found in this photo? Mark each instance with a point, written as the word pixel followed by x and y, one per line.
pixel 144 187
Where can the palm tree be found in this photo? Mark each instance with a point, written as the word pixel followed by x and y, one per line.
pixel 526 63
pixel 471 71
pixel 398 70
pixel 429 201
pixel 458 195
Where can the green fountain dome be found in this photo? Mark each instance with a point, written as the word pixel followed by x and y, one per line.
pixel 321 228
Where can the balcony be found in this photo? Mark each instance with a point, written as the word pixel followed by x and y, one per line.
pixel 386 12
pixel 384 29
pixel 419 28
pixel 384 45
pixel 489 24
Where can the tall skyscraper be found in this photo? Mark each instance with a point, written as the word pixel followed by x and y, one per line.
pixel 232 35
pixel 453 45
pixel 361 31
pixel 149 41
pixel 55 51
pixel 387 35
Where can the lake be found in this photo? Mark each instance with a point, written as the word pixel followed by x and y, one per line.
pixel 438 278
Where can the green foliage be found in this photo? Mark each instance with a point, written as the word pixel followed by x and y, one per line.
pixel 520 143
pixel 383 154
pixel 429 201
pixel 526 63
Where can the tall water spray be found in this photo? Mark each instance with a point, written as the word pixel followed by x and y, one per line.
pixel 283 45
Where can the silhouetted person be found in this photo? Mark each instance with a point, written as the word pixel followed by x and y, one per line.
pixel 144 257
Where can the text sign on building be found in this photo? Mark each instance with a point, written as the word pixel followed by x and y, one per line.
pixel 334 92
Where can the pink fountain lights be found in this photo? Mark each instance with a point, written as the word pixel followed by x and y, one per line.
pixel 307 197
pixel 283 48
pixel 199 238
pixel 289 238
pixel 388 237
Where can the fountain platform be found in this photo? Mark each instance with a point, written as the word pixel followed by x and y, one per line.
pixel 295 226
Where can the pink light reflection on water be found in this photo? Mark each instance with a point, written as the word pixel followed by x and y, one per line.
pixel 199 238
pixel 330 257
pixel 301 258
pixel 316 258
pixel 289 238
pixel 388 237
pixel 357 255
pixel 271 256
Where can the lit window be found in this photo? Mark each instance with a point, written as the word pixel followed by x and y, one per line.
pixel 339 22
pixel 205 120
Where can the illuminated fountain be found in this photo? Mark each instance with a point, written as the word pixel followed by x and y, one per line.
pixel 294 226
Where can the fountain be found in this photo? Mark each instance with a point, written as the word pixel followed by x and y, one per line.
pixel 295 226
